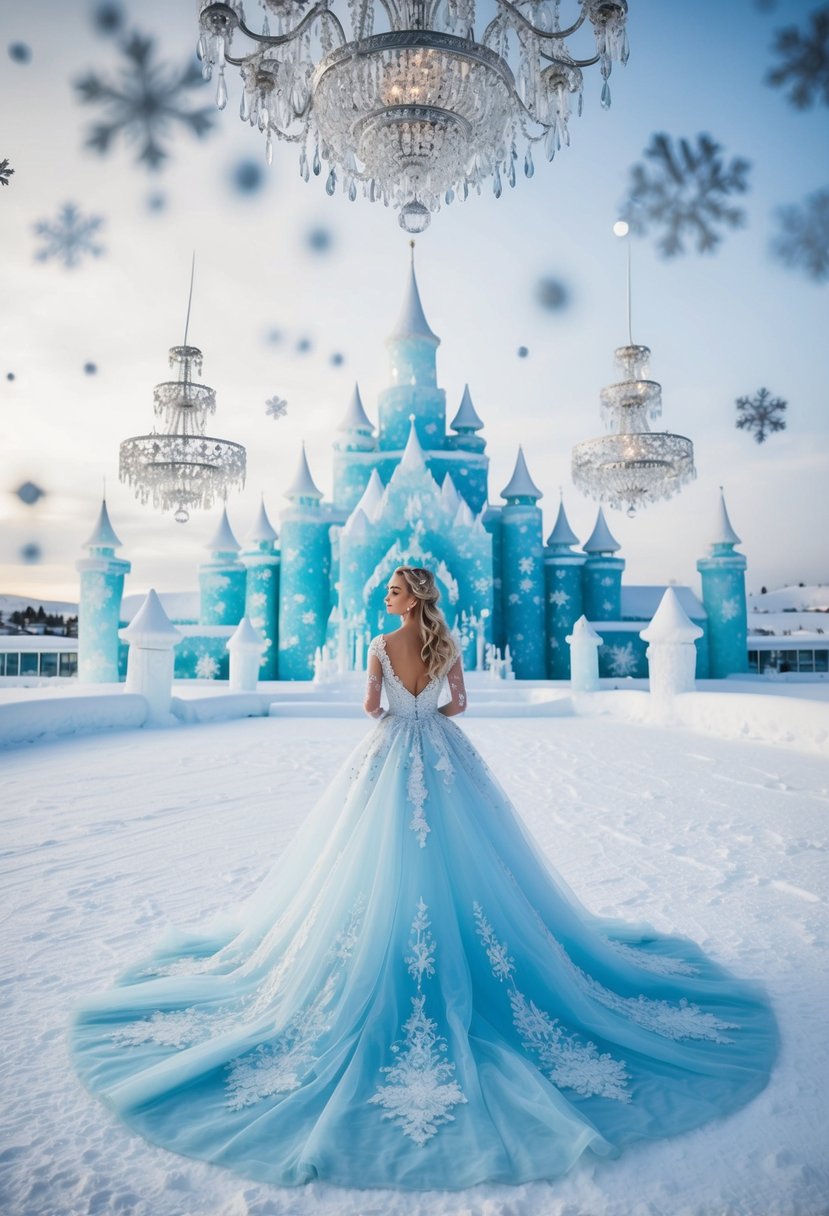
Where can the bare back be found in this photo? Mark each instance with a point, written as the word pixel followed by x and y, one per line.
pixel 403 648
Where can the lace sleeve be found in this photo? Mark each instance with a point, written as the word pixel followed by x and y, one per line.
pixel 374 684
pixel 457 690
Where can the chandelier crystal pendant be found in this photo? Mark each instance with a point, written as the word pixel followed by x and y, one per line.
pixel 181 469
pixel 632 466
pixel 422 110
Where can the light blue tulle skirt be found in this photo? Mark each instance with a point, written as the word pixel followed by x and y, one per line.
pixel 412 999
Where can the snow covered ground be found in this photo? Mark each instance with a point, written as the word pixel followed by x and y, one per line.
pixel 109 838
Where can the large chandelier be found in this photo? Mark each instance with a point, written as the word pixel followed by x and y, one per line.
pixel 420 111
pixel 632 466
pixel 181 469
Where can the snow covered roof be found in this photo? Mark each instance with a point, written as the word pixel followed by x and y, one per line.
pixel 601 539
pixel 521 485
pixel 412 321
pixel 355 418
pixel 246 637
pixel 412 458
pixel 449 496
pixel 562 535
pixel 103 534
pixel 466 418
pixel 814 597
pixel 356 526
pixel 223 540
pixel 262 530
pixel 303 485
pixel 641 603
pixel 151 627
pixel 670 622
pixel 724 534
pixel 583 631
pixel 179 605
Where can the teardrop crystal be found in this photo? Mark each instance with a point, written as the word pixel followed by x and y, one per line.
pixel 221 90
pixel 331 182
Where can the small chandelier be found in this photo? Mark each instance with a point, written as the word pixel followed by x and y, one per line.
pixel 632 466
pixel 182 469
pixel 418 112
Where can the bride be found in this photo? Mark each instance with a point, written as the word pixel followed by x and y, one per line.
pixel 412 998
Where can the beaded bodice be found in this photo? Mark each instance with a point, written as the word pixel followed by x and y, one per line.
pixel 403 703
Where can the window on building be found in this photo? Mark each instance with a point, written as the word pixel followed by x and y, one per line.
pixel 28 664
pixel 12 664
pixel 69 664
pixel 49 664
pixel 822 660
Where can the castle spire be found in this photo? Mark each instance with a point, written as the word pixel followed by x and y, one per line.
pixel 521 485
pixel 303 485
pixel 355 418
pixel 601 539
pixel 103 534
pixel 724 534
pixel 223 540
pixel 412 322
pixel 466 418
pixel 562 536
pixel 412 458
pixel 262 530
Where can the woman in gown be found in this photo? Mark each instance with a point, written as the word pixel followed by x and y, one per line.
pixel 412 998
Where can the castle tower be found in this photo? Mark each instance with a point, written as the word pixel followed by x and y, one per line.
pixel 353 447
pixel 562 594
pixel 261 561
pixel 602 574
pixel 412 348
pixel 222 579
pixel 305 576
pixel 99 609
pixel 471 474
pixel 522 574
pixel 724 597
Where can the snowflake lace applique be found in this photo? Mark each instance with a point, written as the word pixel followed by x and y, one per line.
pixel 420 1091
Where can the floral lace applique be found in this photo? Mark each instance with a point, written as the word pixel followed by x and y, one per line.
pixel 657 964
pixel 420 1092
pixel 568 1062
pixel 417 793
pixel 178 1028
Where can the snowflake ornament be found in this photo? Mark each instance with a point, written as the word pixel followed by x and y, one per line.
pixel 276 407
pixel 729 609
pixel 761 414
pixel 5 172
pixel 69 238
pixel 804 61
pixel 802 242
pixel 143 101
pixel 683 193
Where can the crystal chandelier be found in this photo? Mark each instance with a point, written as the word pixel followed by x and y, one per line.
pixel 632 466
pixel 182 469
pixel 420 111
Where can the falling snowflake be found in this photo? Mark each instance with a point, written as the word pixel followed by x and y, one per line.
pixel 804 61
pixel 70 237
pixel 276 407
pixel 684 195
pixel 526 565
pixel 621 660
pixel 559 598
pixel 5 172
pixel 761 414
pixel 729 609
pixel 143 101
pixel 803 239
pixel 207 668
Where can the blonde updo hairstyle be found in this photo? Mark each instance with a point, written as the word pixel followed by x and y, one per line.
pixel 438 650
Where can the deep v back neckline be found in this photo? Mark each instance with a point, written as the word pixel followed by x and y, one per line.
pixel 395 676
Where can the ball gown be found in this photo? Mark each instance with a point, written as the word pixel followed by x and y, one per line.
pixel 414 999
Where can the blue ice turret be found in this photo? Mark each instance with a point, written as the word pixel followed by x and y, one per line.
pixel 305 574
pixel 602 574
pixel 563 594
pixel 412 349
pixel 353 446
pixel 522 574
pixel 222 579
pixel 261 559
pixel 99 608
pixel 724 597
pixel 472 469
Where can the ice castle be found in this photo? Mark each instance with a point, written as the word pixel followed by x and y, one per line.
pixel 411 491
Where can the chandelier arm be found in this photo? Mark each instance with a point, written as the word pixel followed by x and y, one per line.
pixel 570 63
pixel 320 9
pixel 547 35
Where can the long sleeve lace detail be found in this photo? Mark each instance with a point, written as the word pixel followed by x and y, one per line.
pixel 457 689
pixel 374 684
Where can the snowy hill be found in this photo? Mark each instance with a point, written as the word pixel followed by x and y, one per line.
pixel 792 599
pixel 19 603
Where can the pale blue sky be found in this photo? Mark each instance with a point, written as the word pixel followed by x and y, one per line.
pixel 718 326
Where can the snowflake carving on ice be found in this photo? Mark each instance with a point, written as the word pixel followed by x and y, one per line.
pixel 607 606
pixel 622 660
pixel 607 581
pixel 761 415
pixel 684 193
pixel 258 600
pixel 559 598
pixel 276 407
pixel 69 238
pixel 804 61
pixel 526 565
pixel 207 668
pixel 729 609
pixel 143 102
pixel 802 241
pixel 526 584
pixel 513 598
pixel 481 585
pixel 97 592
pixel 561 574
pixel 6 172
pixel 308 618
